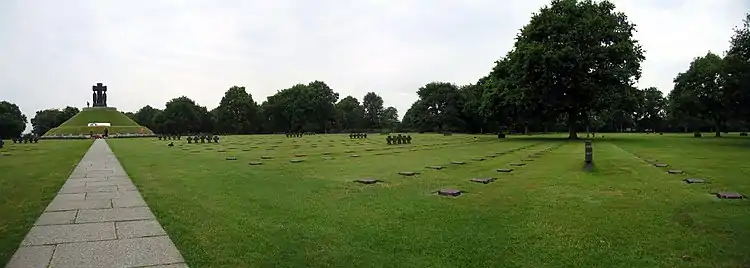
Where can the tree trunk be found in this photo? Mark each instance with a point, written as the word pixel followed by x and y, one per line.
pixel 572 124
pixel 718 131
pixel 526 129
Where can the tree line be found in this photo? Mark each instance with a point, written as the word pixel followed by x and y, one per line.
pixel 572 68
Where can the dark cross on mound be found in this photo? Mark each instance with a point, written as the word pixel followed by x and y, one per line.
pixel 100 95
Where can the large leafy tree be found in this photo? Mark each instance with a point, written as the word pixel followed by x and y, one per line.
pixel 571 55
pixel 737 71
pixel 700 91
pixel 182 115
pixel 652 108
pixel 302 107
pixel 349 114
pixel 390 118
pixel 444 103
pixel 45 120
pixel 12 121
pixel 418 118
pixel 237 112
pixel 373 105
pixel 146 116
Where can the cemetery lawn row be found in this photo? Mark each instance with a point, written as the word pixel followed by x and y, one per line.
pixel 624 213
pixel 30 176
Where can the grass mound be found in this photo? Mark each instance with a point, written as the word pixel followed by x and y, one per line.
pixel 78 124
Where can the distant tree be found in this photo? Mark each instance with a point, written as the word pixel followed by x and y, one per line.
pixel 736 72
pixel 237 112
pixel 390 118
pixel 146 116
pixel 349 114
pixel 182 115
pixel 12 121
pixel 701 93
pixel 373 105
pixel 572 54
pixel 44 120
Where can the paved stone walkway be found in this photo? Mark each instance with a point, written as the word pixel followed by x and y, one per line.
pixel 97 219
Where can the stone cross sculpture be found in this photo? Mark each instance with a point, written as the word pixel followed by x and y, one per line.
pixel 100 95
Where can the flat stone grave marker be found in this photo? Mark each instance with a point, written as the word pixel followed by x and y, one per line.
pixel 209 148
pixel 269 149
pixel 221 151
pixel 326 153
pixel 457 162
pixel 675 171
pixel 354 155
pixel 231 158
pixel 483 180
pixel 367 181
pixel 517 164
pixel 449 192
pixel 407 173
pixel 296 160
pixel 436 167
pixel 491 156
pixel 505 170
pixel 527 159
pixel 300 155
pixel 729 195
pixel 266 157
pixel 660 165
pixel 348 151
pixel 379 153
pixel 245 150
pixel 368 149
pixel 694 180
pixel 328 158
pixel 651 160
pixel 255 163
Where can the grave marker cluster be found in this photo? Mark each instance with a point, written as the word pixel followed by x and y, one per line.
pixel 447 133
pixel 398 139
pixel 2 143
pixel 357 135
pixel 743 134
pixel 294 134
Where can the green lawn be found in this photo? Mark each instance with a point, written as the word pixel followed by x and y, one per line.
pixel 78 124
pixel 549 213
pixel 30 176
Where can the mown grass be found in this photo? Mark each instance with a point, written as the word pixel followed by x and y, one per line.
pixel 78 124
pixel 549 213
pixel 30 176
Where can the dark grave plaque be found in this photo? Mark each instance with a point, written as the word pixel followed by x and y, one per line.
pixel 221 151
pixel 354 155
pixel 296 160
pixel 367 181
pixel 407 173
pixel 348 151
pixel 245 150
pixel 675 171
pixel 269 149
pixel 436 167
pixel 379 153
pixel 729 195
pixel 326 153
pixel 328 158
pixel 449 192
pixel 266 157
pixel 491 156
pixel 505 170
pixel 483 180
pixel 527 160
pixel 255 163
pixel 300 155
pixel 661 165
pixel 368 149
pixel 694 180
pixel 231 158
pixel 517 164
pixel 457 162
pixel 209 149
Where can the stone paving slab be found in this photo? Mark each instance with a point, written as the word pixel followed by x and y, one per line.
pixel 134 252
pixel 32 257
pixel 114 214
pixel 97 219
pixel 57 217
pixel 69 233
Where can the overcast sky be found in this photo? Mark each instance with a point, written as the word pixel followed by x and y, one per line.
pixel 148 52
